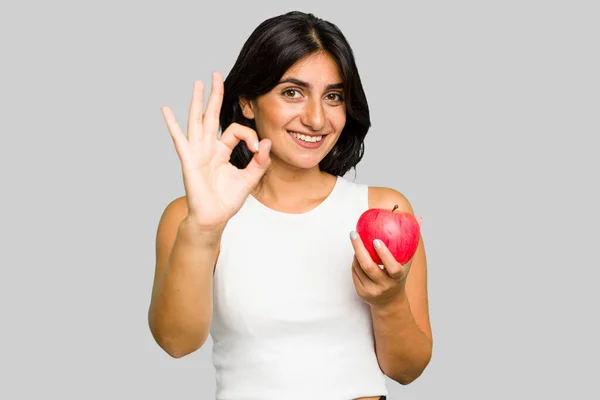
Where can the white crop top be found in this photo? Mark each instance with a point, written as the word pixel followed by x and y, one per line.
pixel 287 322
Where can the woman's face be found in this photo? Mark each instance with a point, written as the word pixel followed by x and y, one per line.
pixel 304 114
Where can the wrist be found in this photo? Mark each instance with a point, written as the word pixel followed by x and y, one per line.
pixel 392 307
pixel 193 231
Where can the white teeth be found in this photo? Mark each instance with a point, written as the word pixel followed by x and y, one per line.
pixel 310 139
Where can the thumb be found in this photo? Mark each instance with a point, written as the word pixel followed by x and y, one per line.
pixel 259 163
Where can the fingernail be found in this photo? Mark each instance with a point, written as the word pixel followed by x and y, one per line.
pixel 269 144
pixel 353 235
pixel 377 243
pixel 256 145
pixel 419 220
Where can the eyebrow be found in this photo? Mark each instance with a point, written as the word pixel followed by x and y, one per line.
pixel 308 86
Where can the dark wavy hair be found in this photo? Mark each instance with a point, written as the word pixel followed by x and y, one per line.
pixel 272 48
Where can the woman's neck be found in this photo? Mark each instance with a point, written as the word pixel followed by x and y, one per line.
pixel 294 190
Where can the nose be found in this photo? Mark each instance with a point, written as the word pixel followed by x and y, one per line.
pixel 314 115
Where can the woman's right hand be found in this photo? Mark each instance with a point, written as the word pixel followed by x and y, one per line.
pixel 215 188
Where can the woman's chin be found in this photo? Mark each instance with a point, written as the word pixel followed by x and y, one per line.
pixel 302 162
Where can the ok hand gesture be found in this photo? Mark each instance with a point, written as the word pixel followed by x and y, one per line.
pixel 215 188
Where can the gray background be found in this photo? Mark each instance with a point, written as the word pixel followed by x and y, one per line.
pixel 485 115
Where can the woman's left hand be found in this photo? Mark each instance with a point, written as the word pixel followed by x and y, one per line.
pixel 376 286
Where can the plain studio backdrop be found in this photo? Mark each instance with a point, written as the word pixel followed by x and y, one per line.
pixel 484 114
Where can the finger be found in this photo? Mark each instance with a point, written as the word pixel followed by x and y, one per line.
pixel 393 267
pixel 259 164
pixel 361 283
pixel 363 278
pixel 364 259
pixel 358 281
pixel 213 108
pixel 177 135
pixel 195 113
pixel 236 132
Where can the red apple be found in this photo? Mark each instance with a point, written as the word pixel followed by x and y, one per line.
pixel 399 231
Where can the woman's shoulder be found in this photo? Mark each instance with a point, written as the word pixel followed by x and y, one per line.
pixel 385 197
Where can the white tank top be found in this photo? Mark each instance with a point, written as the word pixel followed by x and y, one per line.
pixel 287 321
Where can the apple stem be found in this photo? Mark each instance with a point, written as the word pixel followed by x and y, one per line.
pixel 395 206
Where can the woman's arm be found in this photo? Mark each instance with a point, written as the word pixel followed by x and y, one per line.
pixel 181 306
pixel 403 337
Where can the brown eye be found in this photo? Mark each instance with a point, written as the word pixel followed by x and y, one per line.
pixel 290 93
pixel 335 97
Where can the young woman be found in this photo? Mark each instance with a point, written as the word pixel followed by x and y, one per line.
pixel 261 252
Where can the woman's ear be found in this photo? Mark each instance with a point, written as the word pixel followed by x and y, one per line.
pixel 246 106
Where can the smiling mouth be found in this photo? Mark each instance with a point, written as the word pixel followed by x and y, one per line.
pixel 307 138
